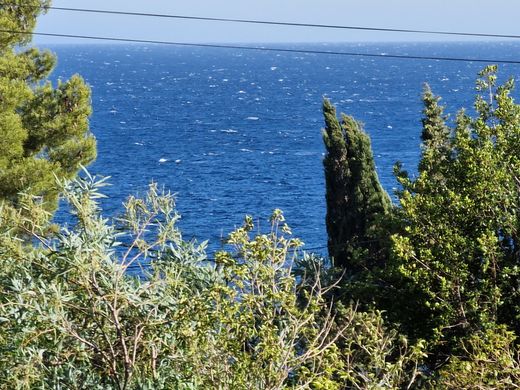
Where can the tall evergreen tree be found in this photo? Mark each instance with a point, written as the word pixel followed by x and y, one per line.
pixel 355 199
pixel 44 129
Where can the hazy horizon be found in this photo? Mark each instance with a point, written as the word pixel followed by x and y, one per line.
pixel 474 16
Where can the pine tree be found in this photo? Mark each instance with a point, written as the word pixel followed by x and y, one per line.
pixel 44 129
pixel 355 199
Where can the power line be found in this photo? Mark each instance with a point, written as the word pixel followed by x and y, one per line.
pixel 277 23
pixel 261 48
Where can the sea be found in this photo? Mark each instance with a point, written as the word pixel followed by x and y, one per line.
pixel 234 132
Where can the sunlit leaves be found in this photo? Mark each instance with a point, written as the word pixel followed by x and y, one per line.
pixel 135 306
pixel 45 129
pixel 458 250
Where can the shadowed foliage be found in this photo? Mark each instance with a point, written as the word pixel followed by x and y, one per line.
pixel 355 199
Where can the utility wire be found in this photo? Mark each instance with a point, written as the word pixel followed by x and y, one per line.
pixel 261 48
pixel 277 23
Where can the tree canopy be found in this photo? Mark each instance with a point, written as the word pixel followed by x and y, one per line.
pixel 450 274
pixel 45 129
pixel 458 246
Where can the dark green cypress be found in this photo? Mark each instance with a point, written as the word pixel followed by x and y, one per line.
pixel 355 199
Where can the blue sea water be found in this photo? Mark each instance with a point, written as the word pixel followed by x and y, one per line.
pixel 236 132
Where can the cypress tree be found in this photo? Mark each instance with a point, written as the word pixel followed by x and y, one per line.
pixel 45 129
pixel 355 198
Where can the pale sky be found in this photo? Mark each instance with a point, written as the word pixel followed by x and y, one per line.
pixel 483 16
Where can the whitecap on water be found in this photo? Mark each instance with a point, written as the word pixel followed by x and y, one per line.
pixel 163 160
pixel 245 150
pixel 229 131
pixel 252 118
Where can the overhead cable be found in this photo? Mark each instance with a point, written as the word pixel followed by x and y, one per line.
pixel 279 23
pixel 262 48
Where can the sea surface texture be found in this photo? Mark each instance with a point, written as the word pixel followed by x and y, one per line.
pixel 235 132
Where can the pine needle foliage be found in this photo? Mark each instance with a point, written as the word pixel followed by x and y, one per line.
pixel 45 130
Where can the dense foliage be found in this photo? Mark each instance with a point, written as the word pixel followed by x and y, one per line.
pixel 426 295
pixel 452 264
pixel 45 132
pixel 130 304
pixel 356 201
pixel 458 249
pixel 133 306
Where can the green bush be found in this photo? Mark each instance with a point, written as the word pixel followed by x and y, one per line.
pixel 131 305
